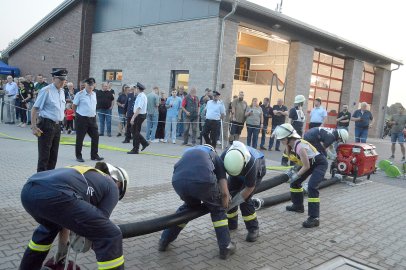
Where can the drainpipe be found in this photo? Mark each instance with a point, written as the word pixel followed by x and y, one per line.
pixel 223 22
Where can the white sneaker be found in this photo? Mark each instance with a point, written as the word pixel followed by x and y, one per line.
pixel 174 142
pixel 155 141
pixel 218 142
pixel 161 140
pixel 19 125
pixel 164 141
pixel 23 125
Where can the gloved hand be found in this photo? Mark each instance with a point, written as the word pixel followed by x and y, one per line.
pixel 236 200
pixel 293 176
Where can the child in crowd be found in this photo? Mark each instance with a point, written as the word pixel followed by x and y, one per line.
pixel 69 115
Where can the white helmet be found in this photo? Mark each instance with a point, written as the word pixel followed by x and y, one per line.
pixel 121 176
pixel 299 99
pixel 285 131
pixel 236 158
pixel 342 134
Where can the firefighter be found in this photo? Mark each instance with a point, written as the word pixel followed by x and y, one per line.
pixel 246 168
pixel 324 139
pixel 312 163
pixel 199 176
pixel 80 199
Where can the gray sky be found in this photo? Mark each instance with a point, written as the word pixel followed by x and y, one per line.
pixel 375 24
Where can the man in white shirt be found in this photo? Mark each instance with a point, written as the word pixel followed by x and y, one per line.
pixel 11 90
pixel 214 112
pixel 140 113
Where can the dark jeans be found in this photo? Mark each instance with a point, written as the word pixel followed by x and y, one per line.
pixel 189 121
pixel 361 135
pixel 48 145
pixel 86 125
pixel 272 139
pixel 104 120
pixel 128 128
pixel 136 130
pixel 210 130
pixel 252 135
pixel 1 107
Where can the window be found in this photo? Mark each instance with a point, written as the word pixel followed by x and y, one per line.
pixel 367 87
pixel 179 78
pixel 115 75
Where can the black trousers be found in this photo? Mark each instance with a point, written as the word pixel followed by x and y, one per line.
pixel 136 130
pixel 48 144
pixel 210 131
pixel 86 125
pixel 313 124
pixel 128 128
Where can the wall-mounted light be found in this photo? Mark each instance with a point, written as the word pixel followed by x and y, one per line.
pixel 43 57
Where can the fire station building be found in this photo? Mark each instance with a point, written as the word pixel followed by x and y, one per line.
pixel 219 44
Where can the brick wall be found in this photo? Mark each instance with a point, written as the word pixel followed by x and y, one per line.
pixel 150 57
pixel 64 49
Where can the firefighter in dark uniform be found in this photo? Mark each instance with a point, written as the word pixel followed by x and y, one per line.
pixel 80 199
pixel 199 176
pixel 50 106
pixel 323 138
pixel 312 164
pixel 129 109
pixel 246 168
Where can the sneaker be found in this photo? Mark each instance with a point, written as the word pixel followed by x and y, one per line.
pixel 161 140
pixel 277 150
pixel 164 141
pixel 311 222
pixel 174 142
pixel 23 125
pixel 392 157
pixel 97 158
pixel 19 125
pixel 69 131
pixel 101 134
pixel 294 208
pixel 73 132
pixel 225 253
pixel 262 148
pixel 155 141
pixel 118 134
pixel 184 143
pixel 218 142
pixel 252 235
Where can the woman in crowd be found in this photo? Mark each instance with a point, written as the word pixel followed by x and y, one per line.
pixel 121 101
pixel 23 96
pixel 253 122
pixel 160 131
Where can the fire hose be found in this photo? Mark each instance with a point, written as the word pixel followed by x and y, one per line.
pixel 157 224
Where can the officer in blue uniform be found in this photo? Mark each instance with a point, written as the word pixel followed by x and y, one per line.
pixel 80 199
pixel 199 176
pixel 323 138
pixel 50 106
pixel 246 168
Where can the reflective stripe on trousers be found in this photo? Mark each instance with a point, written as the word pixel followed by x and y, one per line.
pixel 111 264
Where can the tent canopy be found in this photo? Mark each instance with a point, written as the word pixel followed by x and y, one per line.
pixel 9 70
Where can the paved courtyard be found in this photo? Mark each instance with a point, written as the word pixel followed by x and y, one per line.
pixel 366 223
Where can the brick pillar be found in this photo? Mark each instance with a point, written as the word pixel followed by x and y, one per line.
pixel 379 100
pixel 226 75
pixel 352 79
pixel 299 72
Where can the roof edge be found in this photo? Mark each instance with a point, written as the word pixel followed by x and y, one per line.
pixel 53 14
pixel 307 27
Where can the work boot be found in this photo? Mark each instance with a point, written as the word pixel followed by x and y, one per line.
pixel 225 253
pixel 311 222
pixel 162 245
pixel 252 235
pixel 295 208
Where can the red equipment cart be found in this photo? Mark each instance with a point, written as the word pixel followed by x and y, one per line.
pixel 355 159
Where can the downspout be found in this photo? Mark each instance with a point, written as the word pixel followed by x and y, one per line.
pixel 223 22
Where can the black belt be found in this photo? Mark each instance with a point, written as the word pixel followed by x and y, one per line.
pixel 10 95
pixel 50 121
pixel 90 117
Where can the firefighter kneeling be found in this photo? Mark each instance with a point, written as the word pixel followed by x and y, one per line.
pixel 80 199
pixel 312 163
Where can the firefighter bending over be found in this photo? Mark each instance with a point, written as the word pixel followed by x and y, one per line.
pixel 246 168
pixel 80 199
pixel 312 163
pixel 199 176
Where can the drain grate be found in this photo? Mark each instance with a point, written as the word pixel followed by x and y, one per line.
pixel 342 263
